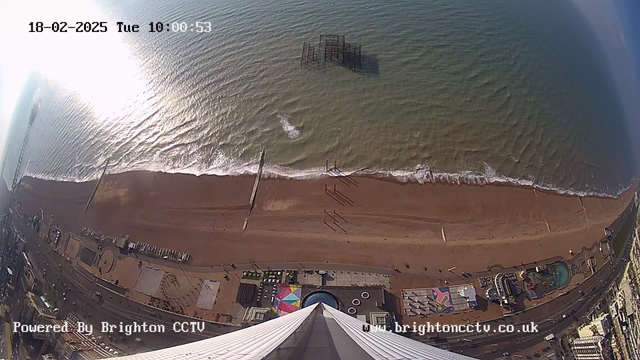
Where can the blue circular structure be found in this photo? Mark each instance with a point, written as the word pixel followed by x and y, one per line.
pixel 562 274
pixel 320 297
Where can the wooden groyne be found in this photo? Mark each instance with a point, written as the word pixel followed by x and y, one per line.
pixel 254 191
pixel 104 170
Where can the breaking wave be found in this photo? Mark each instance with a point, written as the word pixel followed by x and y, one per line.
pixel 422 174
pixel 292 131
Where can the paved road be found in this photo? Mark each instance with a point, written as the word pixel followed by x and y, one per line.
pixel 79 286
pixel 573 305
pixel 551 317
pixel 118 308
pixel 302 265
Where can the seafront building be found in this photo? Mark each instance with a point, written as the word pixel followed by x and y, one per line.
pixel 620 324
pixel 439 300
pixel 160 287
pixel 590 348
pixel 36 311
pixel 263 295
pixel 594 339
pixel 625 306
pixel 75 344
pixel 600 325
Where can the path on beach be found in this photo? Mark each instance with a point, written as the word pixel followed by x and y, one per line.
pixel 371 222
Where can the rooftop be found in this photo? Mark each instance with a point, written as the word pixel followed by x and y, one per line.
pixel 40 305
pixel 362 299
pixel 438 300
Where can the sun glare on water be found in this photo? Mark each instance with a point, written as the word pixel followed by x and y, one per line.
pixel 98 66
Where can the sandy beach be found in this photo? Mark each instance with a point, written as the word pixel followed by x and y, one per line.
pixel 363 220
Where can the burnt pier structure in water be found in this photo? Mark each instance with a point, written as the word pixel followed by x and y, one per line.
pixel 333 49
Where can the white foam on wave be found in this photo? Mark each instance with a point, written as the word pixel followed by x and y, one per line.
pixel 489 176
pixel 226 166
pixel 292 131
pixel 423 175
pixel 220 165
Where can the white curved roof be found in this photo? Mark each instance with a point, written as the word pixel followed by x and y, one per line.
pixel 260 341
pixel 387 345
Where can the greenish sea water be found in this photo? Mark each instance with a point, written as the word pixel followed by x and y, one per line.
pixel 511 90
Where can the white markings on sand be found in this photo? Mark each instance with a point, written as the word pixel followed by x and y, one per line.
pixel 548 227
pixel 543 215
pixel 584 210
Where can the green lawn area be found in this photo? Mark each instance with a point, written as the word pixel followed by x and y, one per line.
pixel 624 233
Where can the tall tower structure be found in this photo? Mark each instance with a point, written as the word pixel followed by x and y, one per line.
pixel 312 333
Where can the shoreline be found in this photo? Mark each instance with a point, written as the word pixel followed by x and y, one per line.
pixel 378 222
pixel 423 176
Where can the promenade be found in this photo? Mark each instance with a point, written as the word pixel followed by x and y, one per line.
pixel 417 260
pixel 118 307
pixel 79 287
